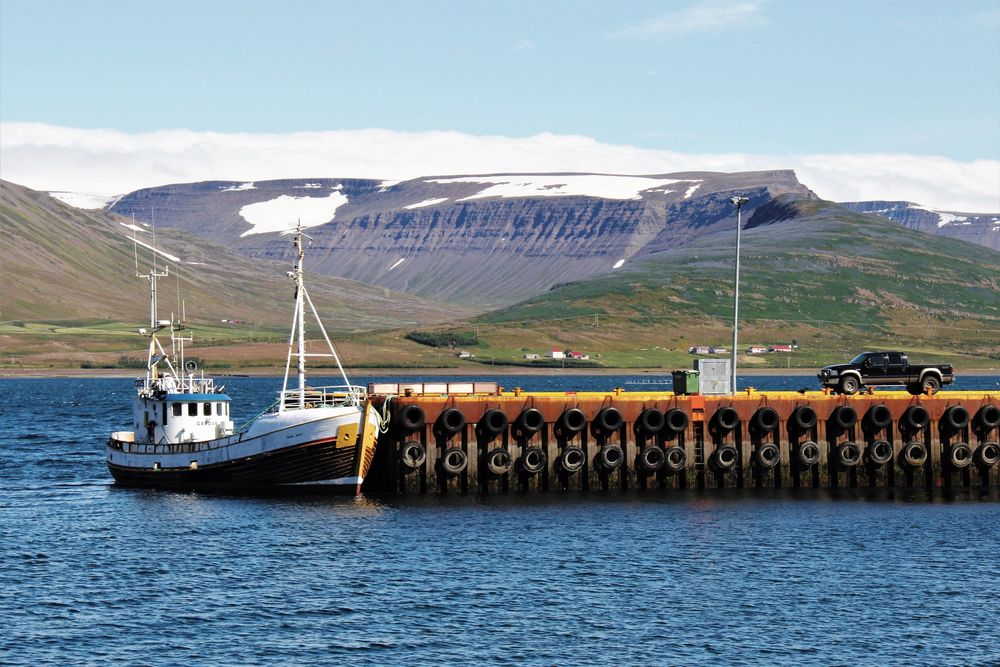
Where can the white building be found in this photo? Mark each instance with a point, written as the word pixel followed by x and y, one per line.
pixel 556 354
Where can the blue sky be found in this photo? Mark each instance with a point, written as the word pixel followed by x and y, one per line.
pixel 735 77
pixel 777 76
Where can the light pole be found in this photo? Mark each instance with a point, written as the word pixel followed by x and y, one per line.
pixel 738 202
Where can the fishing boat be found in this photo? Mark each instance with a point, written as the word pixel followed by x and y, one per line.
pixel 310 438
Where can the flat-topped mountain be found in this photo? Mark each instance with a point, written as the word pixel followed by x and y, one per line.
pixel 981 228
pixel 61 262
pixel 483 240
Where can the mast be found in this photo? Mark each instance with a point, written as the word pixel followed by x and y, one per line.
pixel 300 314
pixel 297 335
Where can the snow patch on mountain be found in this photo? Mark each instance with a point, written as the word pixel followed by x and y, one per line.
pixel 282 214
pixel 85 200
pixel 239 188
pixel 426 202
pixel 172 258
pixel 586 185
pixel 944 218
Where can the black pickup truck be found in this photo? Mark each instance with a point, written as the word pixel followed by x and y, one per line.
pixel 881 368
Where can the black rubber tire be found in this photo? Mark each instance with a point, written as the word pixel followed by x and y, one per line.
pixel 804 418
pixel 930 385
pixel 531 420
pixel 675 459
pixel 807 453
pixel 844 417
pixel 914 389
pixel 914 454
pixel 915 418
pixel 493 422
pixel 651 421
pixel 879 452
pixel 847 454
pixel 571 459
pixel 454 461
pixel 451 421
pixel 676 421
pixel 987 419
pixel 572 421
pixel 498 461
pixel 609 457
pixel 767 455
pixel 411 417
pixel 878 417
pixel 725 419
pixel 765 420
pixel 608 420
pixel 533 460
pixel 849 385
pixel 955 418
pixel 988 454
pixel 959 455
pixel 725 457
pixel 651 459
pixel 412 455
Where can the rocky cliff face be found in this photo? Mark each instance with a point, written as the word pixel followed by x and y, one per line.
pixel 484 241
pixel 980 228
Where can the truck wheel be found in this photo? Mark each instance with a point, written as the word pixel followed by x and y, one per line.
pixel 930 384
pixel 849 385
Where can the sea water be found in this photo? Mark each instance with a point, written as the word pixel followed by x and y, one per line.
pixel 95 574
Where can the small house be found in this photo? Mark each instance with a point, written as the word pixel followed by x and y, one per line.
pixel 556 354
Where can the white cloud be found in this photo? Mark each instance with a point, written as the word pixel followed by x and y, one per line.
pixel 700 18
pixel 47 157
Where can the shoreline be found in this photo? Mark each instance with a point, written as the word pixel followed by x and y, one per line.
pixel 110 373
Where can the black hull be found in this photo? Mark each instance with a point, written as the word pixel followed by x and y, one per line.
pixel 302 468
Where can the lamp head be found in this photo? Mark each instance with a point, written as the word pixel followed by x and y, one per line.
pixel 738 201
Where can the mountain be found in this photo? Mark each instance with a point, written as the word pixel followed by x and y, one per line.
pixel 834 279
pixel 61 262
pixel 481 241
pixel 981 228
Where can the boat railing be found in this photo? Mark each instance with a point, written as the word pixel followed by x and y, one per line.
pixel 336 396
pixel 171 384
pixel 170 447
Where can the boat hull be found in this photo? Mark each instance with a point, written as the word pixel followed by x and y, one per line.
pixel 324 455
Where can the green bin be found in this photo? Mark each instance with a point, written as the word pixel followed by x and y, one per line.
pixel 685 382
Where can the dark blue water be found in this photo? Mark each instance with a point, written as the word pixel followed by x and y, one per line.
pixel 94 574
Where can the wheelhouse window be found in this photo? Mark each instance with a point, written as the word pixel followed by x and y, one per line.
pixel 208 410
pixel 192 409
pixel 177 409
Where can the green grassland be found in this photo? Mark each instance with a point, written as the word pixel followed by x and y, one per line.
pixel 832 281
pixel 835 282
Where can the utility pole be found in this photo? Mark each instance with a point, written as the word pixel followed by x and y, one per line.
pixel 738 202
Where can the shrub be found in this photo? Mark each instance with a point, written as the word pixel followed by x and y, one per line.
pixel 443 338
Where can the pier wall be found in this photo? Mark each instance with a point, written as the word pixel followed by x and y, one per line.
pixel 564 441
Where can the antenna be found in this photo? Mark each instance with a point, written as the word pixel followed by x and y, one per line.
pixel 152 222
pixel 180 309
pixel 135 246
